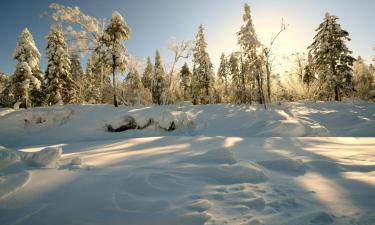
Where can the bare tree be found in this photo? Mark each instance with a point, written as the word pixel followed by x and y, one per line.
pixel 267 57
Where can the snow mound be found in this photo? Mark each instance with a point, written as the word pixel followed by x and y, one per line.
pixel 285 165
pixel 46 158
pixel 242 172
pixel 200 205
pixel 165 120
pixel 12 182
pixel 8 157
pixel 216 156
pixel 322 218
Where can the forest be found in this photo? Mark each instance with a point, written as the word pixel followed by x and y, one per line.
pixel 326 71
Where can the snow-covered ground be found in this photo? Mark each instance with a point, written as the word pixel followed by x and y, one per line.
pixel 295 163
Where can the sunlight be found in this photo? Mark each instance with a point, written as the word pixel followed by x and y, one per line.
pixel 328 192
pixel 232 141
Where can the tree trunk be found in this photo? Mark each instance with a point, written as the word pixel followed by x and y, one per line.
pixel 337 93
pixel 114 87
pixel 268 82
pixel 101 83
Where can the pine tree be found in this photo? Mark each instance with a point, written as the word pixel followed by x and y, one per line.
pixel 27 52
pixel 238 87
pixel 363 78
pixel 203 78
pixel 185 81
pixel 331 57
pixel 133 88
pixel 78 77
pixel 158 80
pixel 308 73
pixel 249 43
pixel 61 87
pixel 147 74
pixel 22 80
pixel 113 49
pixel 223 75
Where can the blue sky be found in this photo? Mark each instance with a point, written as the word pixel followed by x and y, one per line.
pixel 153 23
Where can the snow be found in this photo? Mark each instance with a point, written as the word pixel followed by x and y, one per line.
pixel 294 163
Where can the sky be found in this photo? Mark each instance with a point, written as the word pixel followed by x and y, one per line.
pixel 154 23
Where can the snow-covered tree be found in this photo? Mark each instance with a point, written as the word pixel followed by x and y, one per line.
pixel 27 52
pixel 203 75
pixel 185 81
pixel 309 73
pixel 4 79
pixel 363 78
pixel 78 77
pixel 223 76
pixel 331 57
pixel 22 79
pixel 113 49
pixel 61 87
pixel 6 91
pixel 238 84
pixel 147 74
pixel 249 43
pixel 158 80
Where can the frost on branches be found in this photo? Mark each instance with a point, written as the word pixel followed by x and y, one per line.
pixel 203 75
pixel 27 78
pixel 158 82
pixel 332 59
pixel 60 86
pixel 112 48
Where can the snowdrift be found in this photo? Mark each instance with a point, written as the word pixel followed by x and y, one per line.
pixel 92 122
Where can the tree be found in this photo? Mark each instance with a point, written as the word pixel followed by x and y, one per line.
pixel 113 49
pixel 158 80
pixel 185 81
pixel 267 58
pixel 331 57
pixel 78 77
pixel 223 75
pixel 249 43
pixel 22 80
pixel 180 50
pixel 27 52
pixel 309 73
pixel 363 78
pixel 238 87
pixel 6 91
pixel 61 87
pixel 147 74
pixel 203 78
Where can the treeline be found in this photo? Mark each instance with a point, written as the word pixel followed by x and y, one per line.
pixel 327 72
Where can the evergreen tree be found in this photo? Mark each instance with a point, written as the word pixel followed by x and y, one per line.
pixel 60 85
pixel 185 81
pixel 331 57
pixel 133 88
pixel 237 83
pixel 147 74
pixel 78 77
pixel 6 91
pixel 249 43
pixel 203 78
pixel 22 80
pixel 27 52
pixel 308 73
pixel 113 49
pixel 158 80
pixel 223 75
pixel 363 78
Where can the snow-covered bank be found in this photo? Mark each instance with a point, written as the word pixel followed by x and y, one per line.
pixel 57 125
pixel 189 165
pixel 202 180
